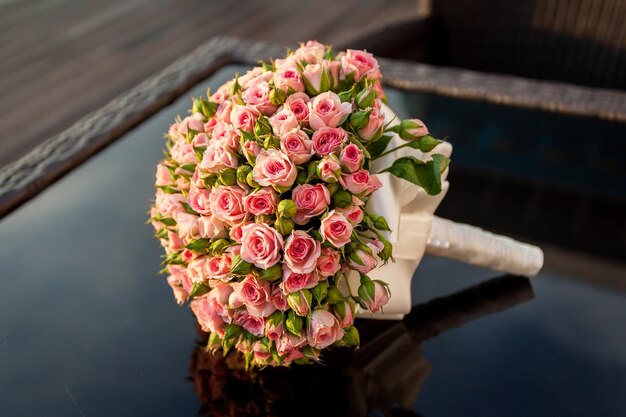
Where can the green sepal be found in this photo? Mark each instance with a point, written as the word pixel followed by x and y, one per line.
pixel 199 289
pixel 240 267
pixel 294 323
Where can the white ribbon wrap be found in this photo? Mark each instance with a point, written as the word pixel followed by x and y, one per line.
pixel 409 211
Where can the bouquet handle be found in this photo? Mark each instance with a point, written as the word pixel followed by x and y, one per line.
pixel 475 246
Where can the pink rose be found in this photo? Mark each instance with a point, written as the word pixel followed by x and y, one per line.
pixel 174 242
pixel 362 261
pixel 301 252
pixel 324 329
pixel 217 157
pixel 373 130
pixel 223 112
pixel 211 309
pixel 183 153
pixel 244 117
pixel 169 204
pixel 373 184
pixel 210 125
pixel 250 77
pixel 353 213
pixel 295 281
pixel 357 182
pixel 261 245
pixel 297 146
pixel 327 110
pixel 283 121
pixel 236 231
pixel 310 52
pixel 273 168
pixel 298 103
pixel 226 133
pixel 253 324
pixel 329 168
pixel 378 299
pixel 222 93
pixel 336 229
pixel 175 132
pixel 273 330
pixel 255 295
pixel 278 299
pixel 311 201
pixel 194 123
pixel 351 158
pixel 196 269
pixel 258 96
pixel 210 227
pixel 327 140
pixel 288 342
pixel 218 267
pixel 201 139
pixel 329 262
pixel 287 77
pixel 262 201
pixel 226 203
pixel 163 176
pixel 187 226
pixel 317 78
pixel 199 198
pixel 180 282
pixel 361 64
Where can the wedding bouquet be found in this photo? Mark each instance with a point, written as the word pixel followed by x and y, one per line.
pixel 261 203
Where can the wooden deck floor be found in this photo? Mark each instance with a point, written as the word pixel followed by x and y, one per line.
pixel 61 59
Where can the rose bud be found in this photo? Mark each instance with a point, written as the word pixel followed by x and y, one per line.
pixel 284 226
pixel 345 313
pixel 362 261
pixel 373 294
pixel 287 209
pixel 365 98
pixel 351 337
pixel 411 129
pixel 328 263
pixel 329 168
pixel 374 127
pixel 242 174
pixel 324 329
pixel 359 64
pixel 228 176
pixel 274 325
pixel 317 78
pixel 300 302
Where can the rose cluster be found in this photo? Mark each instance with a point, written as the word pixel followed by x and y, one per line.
pixel 261 204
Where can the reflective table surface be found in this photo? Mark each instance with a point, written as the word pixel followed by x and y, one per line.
pixel 88 327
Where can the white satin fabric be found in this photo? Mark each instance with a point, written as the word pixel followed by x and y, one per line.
pixel 409 211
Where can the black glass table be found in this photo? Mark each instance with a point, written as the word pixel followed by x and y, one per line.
pixel 88 327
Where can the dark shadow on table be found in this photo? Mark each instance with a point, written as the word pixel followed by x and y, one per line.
pixel 383 377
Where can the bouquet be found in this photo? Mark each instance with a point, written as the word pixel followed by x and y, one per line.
pixel 261 203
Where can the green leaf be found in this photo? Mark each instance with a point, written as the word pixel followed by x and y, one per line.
pixel 271 274
pixel 168 189
pixel 240 267
pixel 199 289
pixel 424 174
pixel 188 167
pixel 168 221
pixel 199 245
pixel 378 147
pixel 188 209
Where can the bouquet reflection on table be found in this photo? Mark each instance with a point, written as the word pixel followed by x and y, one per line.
pixel 383 377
